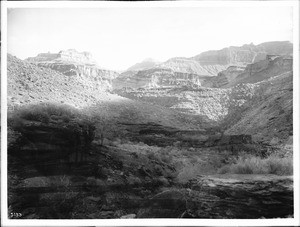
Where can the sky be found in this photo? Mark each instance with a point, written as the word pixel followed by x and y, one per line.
pixel 120 37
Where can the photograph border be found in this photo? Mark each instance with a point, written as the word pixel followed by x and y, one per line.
pixel 148 222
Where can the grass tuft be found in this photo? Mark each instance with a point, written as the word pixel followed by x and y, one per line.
pixel 256 165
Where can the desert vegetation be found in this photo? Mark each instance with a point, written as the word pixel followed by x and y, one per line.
pixel 256 165
pixel 45 113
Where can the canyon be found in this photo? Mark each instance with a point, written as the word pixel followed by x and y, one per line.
pixel 155 140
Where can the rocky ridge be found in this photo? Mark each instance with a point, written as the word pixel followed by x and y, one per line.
pixel 246 54
pixel 204 68
pixel 191 66
pixel 74 64
pixel 145 64
pixel 66 55
pixel 29 83
pixel 269 114
pixel 239 99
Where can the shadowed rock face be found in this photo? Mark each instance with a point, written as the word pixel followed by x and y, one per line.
pixel 225 196
pixel 241 196
pixel 268 115
pixel 40 142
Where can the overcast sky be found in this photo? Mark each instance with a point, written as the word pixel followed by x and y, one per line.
pixel 121 37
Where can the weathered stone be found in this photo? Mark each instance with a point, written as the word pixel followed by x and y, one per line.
pixel 241 196
pixel 167 204
pixel 128 216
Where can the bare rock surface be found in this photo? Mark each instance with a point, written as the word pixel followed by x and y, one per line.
pixel 73 63
pixel 225 196
pixel 145 64
pixel 268 115
pixel 241 196
pixel 203 68
pixel 261 100
pixel 246 54
pixel 28 83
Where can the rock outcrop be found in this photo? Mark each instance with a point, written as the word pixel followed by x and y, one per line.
pixel 262 70
pixel 240 196
pixel 28 83
pixel 216 68
pixel 191 66
pixel 214 103
pixel 55 171
pixel 155 78
pixel 260 104
pixel 224 77
pixel 145 64
pixel 272 66
pixel 269 114
pixel 50 132
pixel 245 54
pixel 225 196
pixel 72 63
pixel 70 55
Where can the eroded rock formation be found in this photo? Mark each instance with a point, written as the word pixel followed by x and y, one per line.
pixel 72 63
pixel 204 68
pixel 29 83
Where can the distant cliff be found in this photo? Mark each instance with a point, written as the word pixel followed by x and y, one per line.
pixel 204 69
pixel 30 84
pixel 73 63
pixel 145 64
pixel 246 54
pixel 273 65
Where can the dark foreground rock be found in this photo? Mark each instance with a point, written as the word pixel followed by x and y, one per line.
pixel 55 171
pixel 225 196
pixel 240 196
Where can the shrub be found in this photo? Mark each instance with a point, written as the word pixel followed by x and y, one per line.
pixel 257 165
pixel 280 166
pixel 44 113
pixel 188 173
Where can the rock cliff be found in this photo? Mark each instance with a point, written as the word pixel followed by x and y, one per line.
pixel 155 78
pixel 28 83
pixel 215 68
pixel 145 64
pixel 259 104
pixel 67 55
pixel 190 66
pixel 268 115
pixel 272 66
pixel 245 54
pixel 72 63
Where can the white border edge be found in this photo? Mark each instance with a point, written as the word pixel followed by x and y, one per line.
pixel 149 222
